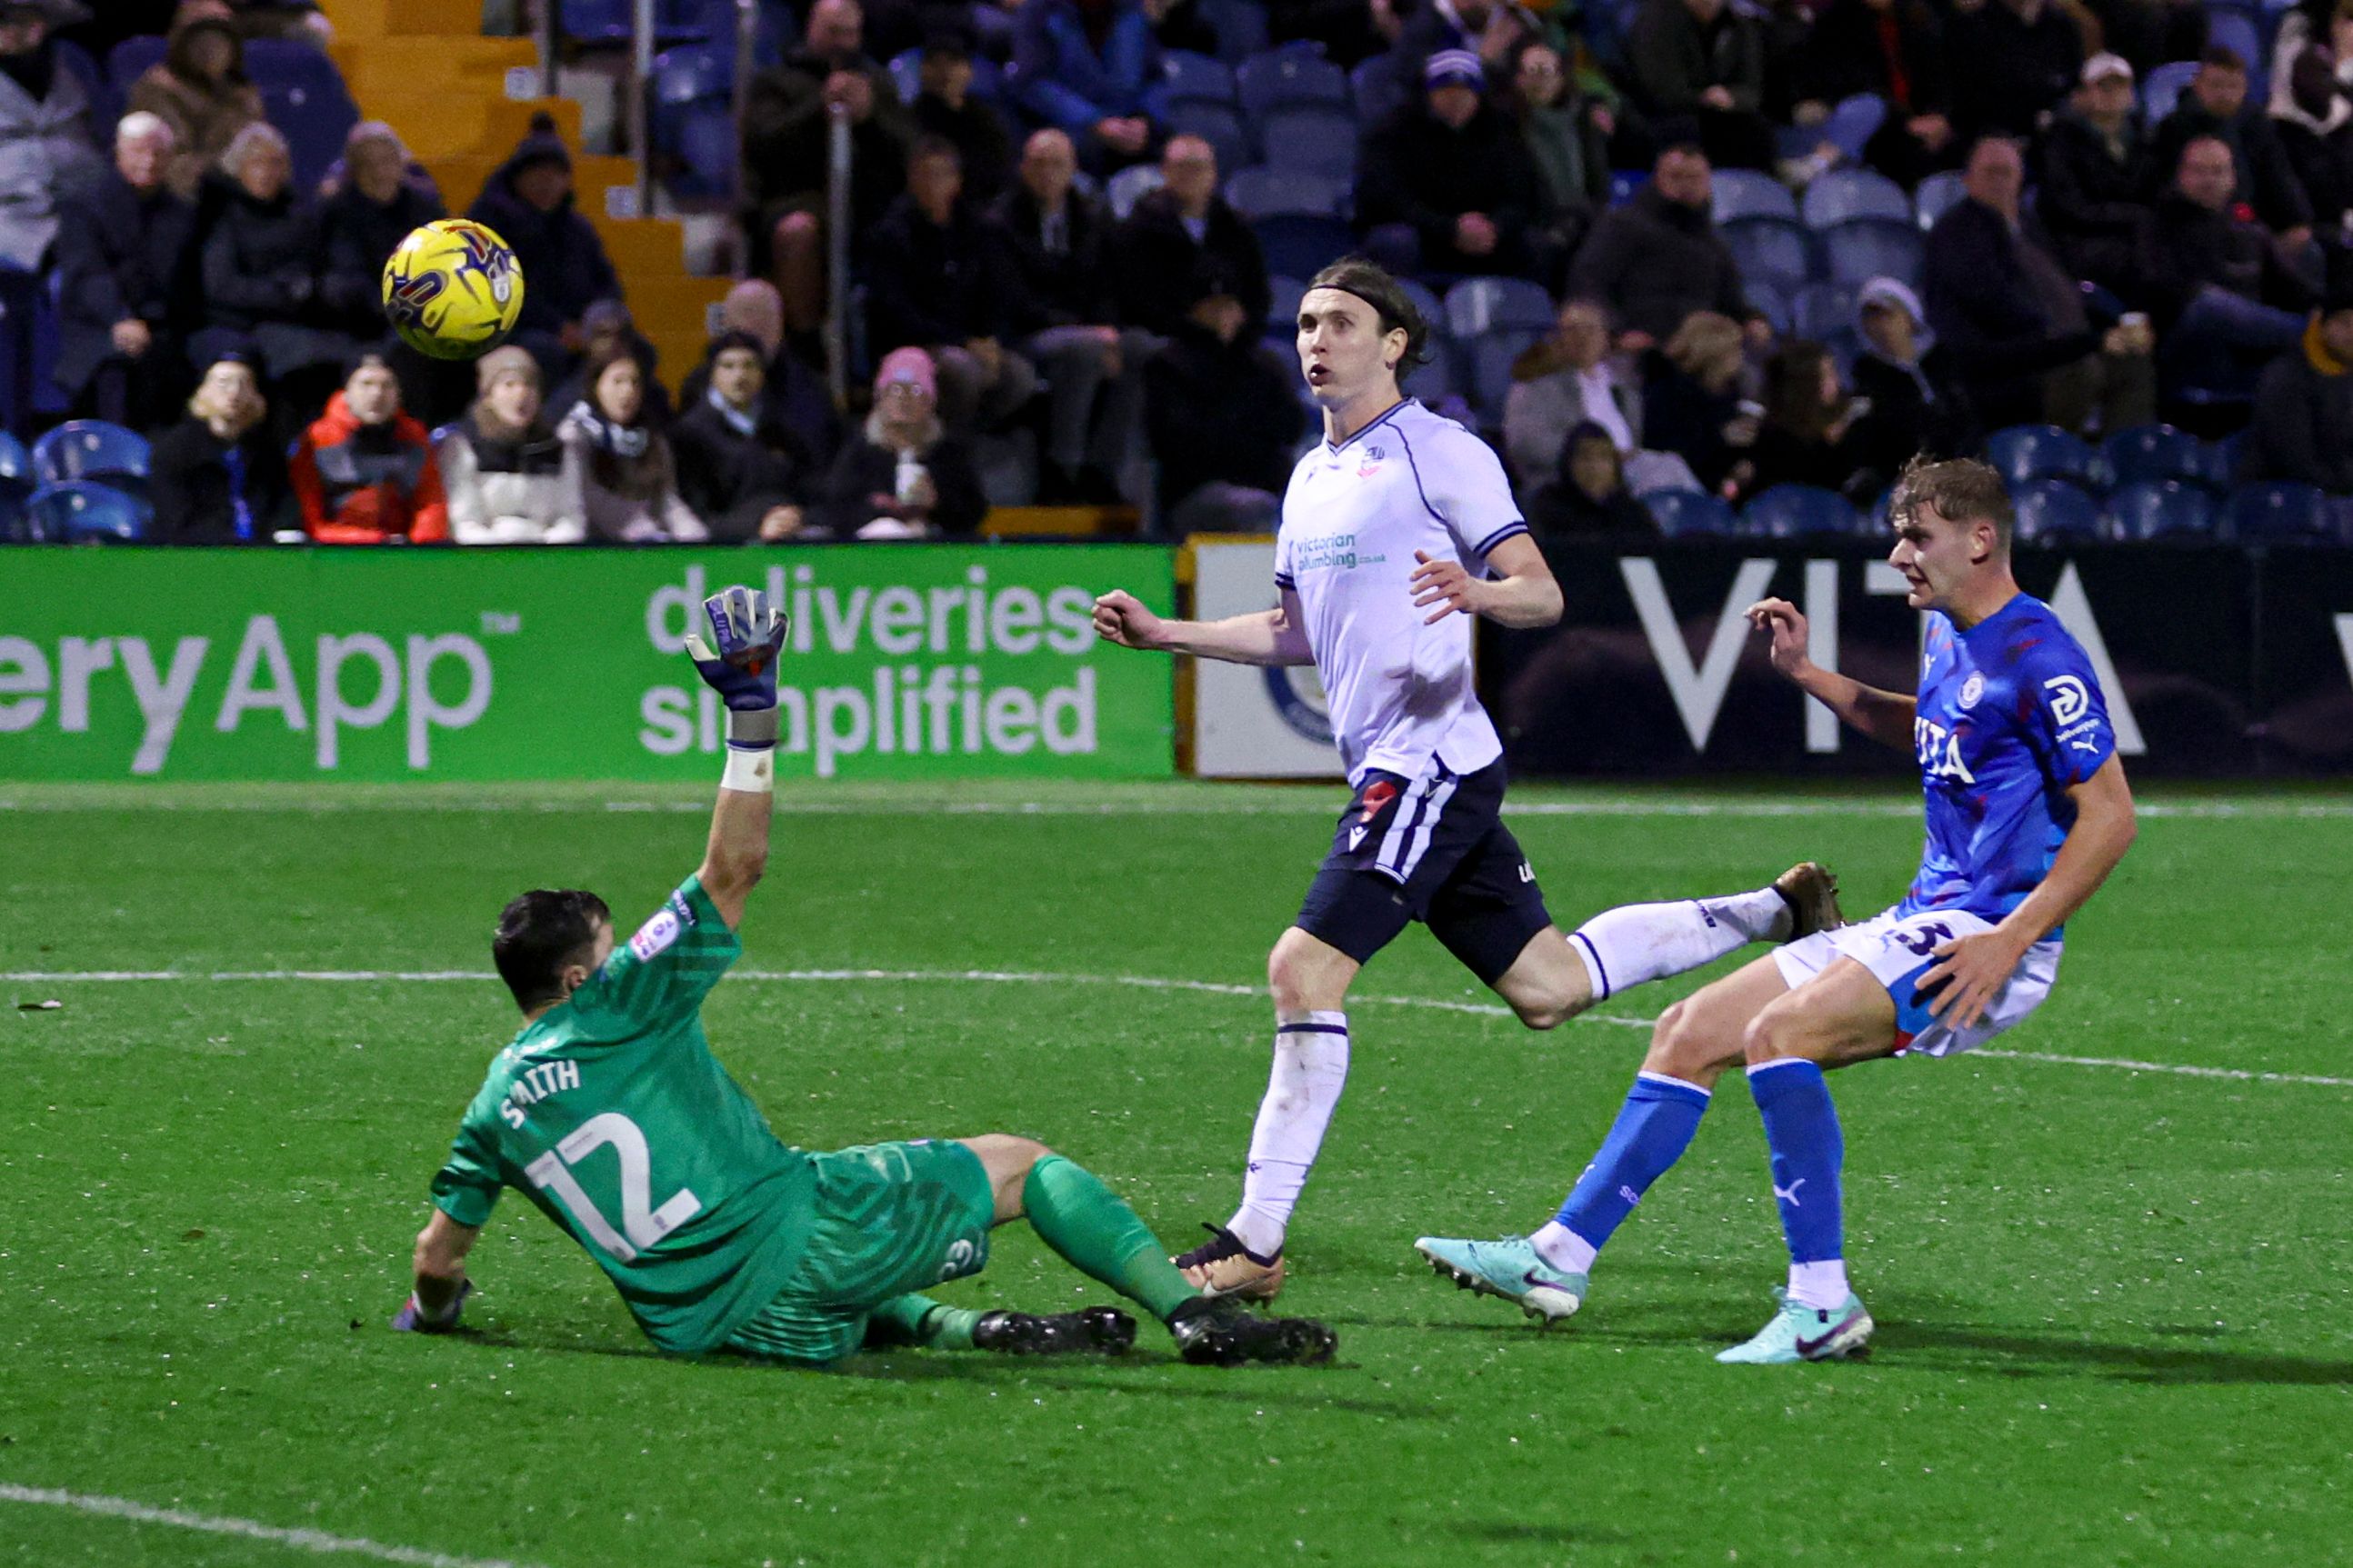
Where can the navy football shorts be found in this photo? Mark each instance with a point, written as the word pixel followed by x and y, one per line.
pixel 1433 849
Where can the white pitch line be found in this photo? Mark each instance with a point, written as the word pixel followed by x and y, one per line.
pixel 1046 977
pixel 252 1530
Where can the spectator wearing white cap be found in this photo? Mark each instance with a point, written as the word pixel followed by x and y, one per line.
pixel 2098 174
pixel 1446 184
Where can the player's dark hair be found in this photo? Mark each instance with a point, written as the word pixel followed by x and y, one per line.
pixel 539 933
pixel 1962 489
pixel 1371 283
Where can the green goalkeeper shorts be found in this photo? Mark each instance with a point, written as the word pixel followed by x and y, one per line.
pixel 890 1218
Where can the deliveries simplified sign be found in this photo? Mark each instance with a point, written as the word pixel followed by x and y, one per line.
pixel 906 661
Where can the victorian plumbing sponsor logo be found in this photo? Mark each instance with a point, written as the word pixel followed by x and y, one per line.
pixel 936 703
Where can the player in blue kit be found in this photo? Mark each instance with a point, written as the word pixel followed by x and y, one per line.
pixel 2027 812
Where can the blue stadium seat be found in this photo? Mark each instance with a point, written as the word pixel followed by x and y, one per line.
pixel 2233 28
pixel 1492 356
pixel 1218 124
pixel 1775 250
pixel 1285 76
pixel 1131 186
pixel 1866 248
pixel 1477 306
pixel 1797 511
pixel 2053 512
pixel 130 59
pixel 1426 300
pixel 1937 196
pixel 1623 183
pixel 1766 297
pixel 694 72
pixel 1283 295
pixel 2027 452
pixel 1854 123
pixel 2222 461
pixel 2282 513
pixel 907 73
pixel 1240 28
pixel 1375 87
pixel 710 154
pixel 608 22
pixel 89 449
pixel 1825 310
pixel 16 485
pixel 2150 454
pixel 305 97
pixel 2144 509
pixel 2164 88
pixel 82 513
pixel 1198 79
pixel 1842 195
pixel 1687 514
pixel 1302 244
pixel 1311 138
pixel 1745 193
pixel 1433 383
pixel 1264 193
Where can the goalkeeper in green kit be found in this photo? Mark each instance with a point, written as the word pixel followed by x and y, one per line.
pixel 609 1112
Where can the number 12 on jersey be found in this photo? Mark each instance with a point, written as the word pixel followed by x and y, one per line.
pixel 642 1223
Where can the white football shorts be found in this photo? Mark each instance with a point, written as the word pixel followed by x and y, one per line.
pixel 1899 949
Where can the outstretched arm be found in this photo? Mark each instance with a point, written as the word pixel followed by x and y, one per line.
pixel 1884 716
pixel 735 639
pixel 1975 968
pixel 1276 636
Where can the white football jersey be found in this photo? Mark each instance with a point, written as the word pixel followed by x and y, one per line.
pixel 1400 692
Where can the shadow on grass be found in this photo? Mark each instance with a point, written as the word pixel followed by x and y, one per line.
pixel 2011 1354
pixel 1519 1532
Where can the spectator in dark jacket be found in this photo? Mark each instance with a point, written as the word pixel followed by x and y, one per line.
pixel 1062 321
pixel 1567 136
pixel 1173 232
pixel 2009 315
pixel 48 150
pixel 2099 177
pixel 785 109
pixel 945 108
pixel 796 396
pixel 200 90
pixel 1703 60
pixel 2216 105
pixel 745 473
pixel 1895 375
pixel 903 474
pixel 1490 29
pixel 2303 427
pixel 261 261
pixel 368 214
pixel 1446 184
pixel 1806 435
pixel 365 470
pixel 1896 49
pixel 2013 63
pixel 218 477
pixel 1223 418
pixel 1691 400
pixel 609 326
pixel 120 254
pixel 529 201
pixel 2314 124
pixel 1093 68
pixel 1658 258
pixel 1588 498
pixel 2226 300
pixel 936 278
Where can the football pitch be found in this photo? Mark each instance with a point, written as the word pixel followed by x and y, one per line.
pixel 2109 1259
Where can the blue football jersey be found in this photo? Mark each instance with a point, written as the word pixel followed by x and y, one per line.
pixel 2010 717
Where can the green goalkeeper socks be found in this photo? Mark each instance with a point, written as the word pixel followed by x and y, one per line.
pixel 912 1320
pixel 1101 1236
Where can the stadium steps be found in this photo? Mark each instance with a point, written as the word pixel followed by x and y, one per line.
pixel 423 67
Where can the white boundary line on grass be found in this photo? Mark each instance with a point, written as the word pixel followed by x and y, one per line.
pixel 252 1530
pixel 1138 982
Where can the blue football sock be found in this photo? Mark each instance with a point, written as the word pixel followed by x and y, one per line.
pixel 1653 1130
pixel 1801 1129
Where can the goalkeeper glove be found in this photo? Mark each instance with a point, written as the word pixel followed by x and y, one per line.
pixel 411 1318
pixel 734 640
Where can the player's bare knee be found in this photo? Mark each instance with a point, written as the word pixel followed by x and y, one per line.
pixel 1545 1012
pixel 1769 1036
pixel 1296 981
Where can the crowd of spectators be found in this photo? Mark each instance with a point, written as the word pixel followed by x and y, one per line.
pixel 1060 253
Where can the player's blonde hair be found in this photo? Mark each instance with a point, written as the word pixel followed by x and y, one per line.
pixel 1962 489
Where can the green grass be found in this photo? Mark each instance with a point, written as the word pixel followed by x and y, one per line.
pixel 2112 1304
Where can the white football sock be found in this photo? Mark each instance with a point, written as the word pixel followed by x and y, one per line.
pixel 1636 942
pixel 1822 1286
pixel 1563 1248
pixel 1311 1063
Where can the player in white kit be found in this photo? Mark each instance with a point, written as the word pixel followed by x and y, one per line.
pixel 1397 529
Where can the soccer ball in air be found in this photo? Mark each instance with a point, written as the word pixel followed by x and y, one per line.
pixel 453 289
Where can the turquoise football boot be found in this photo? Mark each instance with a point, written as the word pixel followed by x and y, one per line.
pixel 1806 1333
pixel 1510 1268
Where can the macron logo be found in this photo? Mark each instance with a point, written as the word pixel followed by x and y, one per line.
pixel 1356 837
pixel 1789 1195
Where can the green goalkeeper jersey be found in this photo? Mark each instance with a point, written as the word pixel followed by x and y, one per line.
pixel 611 1114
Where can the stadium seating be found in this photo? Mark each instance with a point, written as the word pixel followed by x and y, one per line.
pixel 1302 244
pixel 1198 79
pixel 1863 248
pixel 1218 124
pixel 16 484
pixel 83 512
pixel 1685 514
pixel 1131 186
pixel 1492 355
pixel 2144 509
pixel 1311 138
pixel 1477 306
pixel 1240 28
pixel 1854 123
pixel 1289 75
pixel 2233 28
pixel 2028 452
pixel 1433 383
pixel 1427 303
pixel 609 21
pixel 1797 511
pixel 1825 312
pixel 2152 454
pixel 1264 193
pixel 92 449
pixel 2055 511
pixel 2164 88
pixel 1283 306
pixel 2282 513
pixel 694 125
pixel 1766 297
pixel 1937 196
pixel 1375 87
pixel 1776 250
pixel 1745 193
pixel 1842 195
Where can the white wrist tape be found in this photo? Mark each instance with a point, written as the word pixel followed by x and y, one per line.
pixel 753 771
